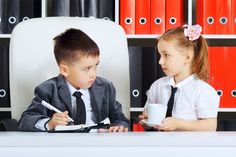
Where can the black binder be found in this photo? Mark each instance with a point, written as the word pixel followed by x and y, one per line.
pixel 151 69
pixel 135 62
pixel 68 8
pixel 1 16
pixel 30 9
pixel 12 15
pixel 60 7
pixel 5 115
pixel 90 8
pixel 144 70
pixel 107 9
pixel 75 8
pixel 4 77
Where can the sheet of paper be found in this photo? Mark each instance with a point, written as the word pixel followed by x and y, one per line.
pixel 79 127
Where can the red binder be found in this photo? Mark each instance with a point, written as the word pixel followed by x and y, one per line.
pixel 231 78
pixel 223 16
pixel 174 13
pixel 157 16
pixel 142 17
pixel 206 15
pixel 233 21
pixel 218 58
pixel 127 15
pixel 137 127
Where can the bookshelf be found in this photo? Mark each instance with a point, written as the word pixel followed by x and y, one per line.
pixel 148 40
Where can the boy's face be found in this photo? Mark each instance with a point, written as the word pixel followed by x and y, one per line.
pixel 82 73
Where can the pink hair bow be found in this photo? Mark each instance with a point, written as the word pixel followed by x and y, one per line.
pixel 192 32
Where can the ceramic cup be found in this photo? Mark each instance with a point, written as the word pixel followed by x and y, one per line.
pixel 156 113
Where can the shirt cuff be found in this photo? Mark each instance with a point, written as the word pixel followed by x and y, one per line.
pixel 41 124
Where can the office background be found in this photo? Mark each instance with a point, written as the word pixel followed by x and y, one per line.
pixel 143 21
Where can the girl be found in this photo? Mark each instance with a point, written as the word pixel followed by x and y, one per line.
pixel 184 59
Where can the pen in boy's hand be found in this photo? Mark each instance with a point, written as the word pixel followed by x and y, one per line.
pixel 50 107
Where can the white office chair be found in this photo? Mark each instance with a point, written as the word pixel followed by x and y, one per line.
pixel 32 59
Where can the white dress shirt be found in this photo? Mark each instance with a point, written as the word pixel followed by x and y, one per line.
pixel 86 98
pixel 194 98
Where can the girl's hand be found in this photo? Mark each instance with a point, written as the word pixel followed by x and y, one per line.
pixel 168 124
pixel 142 116
pixel 58 119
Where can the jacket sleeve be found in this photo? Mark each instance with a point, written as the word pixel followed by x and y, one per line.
pixel 35 111
pixel 116 115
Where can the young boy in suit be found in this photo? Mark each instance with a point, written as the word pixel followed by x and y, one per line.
pixel 77 56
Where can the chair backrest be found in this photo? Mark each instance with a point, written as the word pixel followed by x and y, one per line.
pixel 32 60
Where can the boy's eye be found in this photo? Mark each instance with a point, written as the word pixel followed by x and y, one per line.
pixel 86 69
pixel 89 68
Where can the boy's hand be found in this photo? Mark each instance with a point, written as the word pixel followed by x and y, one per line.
pixel 58 119
pixel 118 128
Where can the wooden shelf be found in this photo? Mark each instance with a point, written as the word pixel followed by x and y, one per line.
pixel 5 35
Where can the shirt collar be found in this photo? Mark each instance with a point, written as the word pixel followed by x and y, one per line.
pixel 73 89
pixel 179 85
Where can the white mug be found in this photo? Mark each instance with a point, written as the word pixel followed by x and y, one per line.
pixel 156 113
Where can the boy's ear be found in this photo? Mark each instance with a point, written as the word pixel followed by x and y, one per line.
pixel 63 69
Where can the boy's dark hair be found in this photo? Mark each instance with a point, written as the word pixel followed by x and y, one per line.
pixel 73 44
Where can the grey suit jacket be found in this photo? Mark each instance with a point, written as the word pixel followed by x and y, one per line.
pixel 56 92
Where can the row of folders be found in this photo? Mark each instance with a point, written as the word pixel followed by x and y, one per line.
pixel 145 70
pixel 14 11
pixel 151 16
pixel 157 16
pixel 222 74
pixel 216 16
pixel 135 16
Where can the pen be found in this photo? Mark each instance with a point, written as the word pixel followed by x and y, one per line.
pixel 50 107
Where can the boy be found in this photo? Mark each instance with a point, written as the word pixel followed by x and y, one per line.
pixel 77 56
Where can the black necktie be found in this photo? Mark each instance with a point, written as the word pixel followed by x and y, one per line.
pixel 80 117
pixel 171 102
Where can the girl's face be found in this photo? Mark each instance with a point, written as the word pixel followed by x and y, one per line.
pixel 81 74
pixel 172 60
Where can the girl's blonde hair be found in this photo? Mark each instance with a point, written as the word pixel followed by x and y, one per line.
pixel 200 64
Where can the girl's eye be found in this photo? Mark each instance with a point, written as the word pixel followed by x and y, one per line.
pixel 166 55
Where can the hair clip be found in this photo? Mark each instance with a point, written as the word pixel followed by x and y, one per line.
pixel 192 32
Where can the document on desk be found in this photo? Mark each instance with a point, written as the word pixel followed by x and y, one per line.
pixel 82 127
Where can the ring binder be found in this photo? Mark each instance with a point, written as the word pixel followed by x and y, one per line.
pixel 4 77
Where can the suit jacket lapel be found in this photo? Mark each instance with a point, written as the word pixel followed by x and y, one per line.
pixel 64 93
pixel 96 100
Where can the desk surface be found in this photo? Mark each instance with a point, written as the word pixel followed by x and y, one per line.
pixel 178 143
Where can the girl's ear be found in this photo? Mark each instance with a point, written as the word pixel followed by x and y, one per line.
pixel 63 69
pixel 189 57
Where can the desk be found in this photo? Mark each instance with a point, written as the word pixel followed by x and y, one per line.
pixel 160 144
